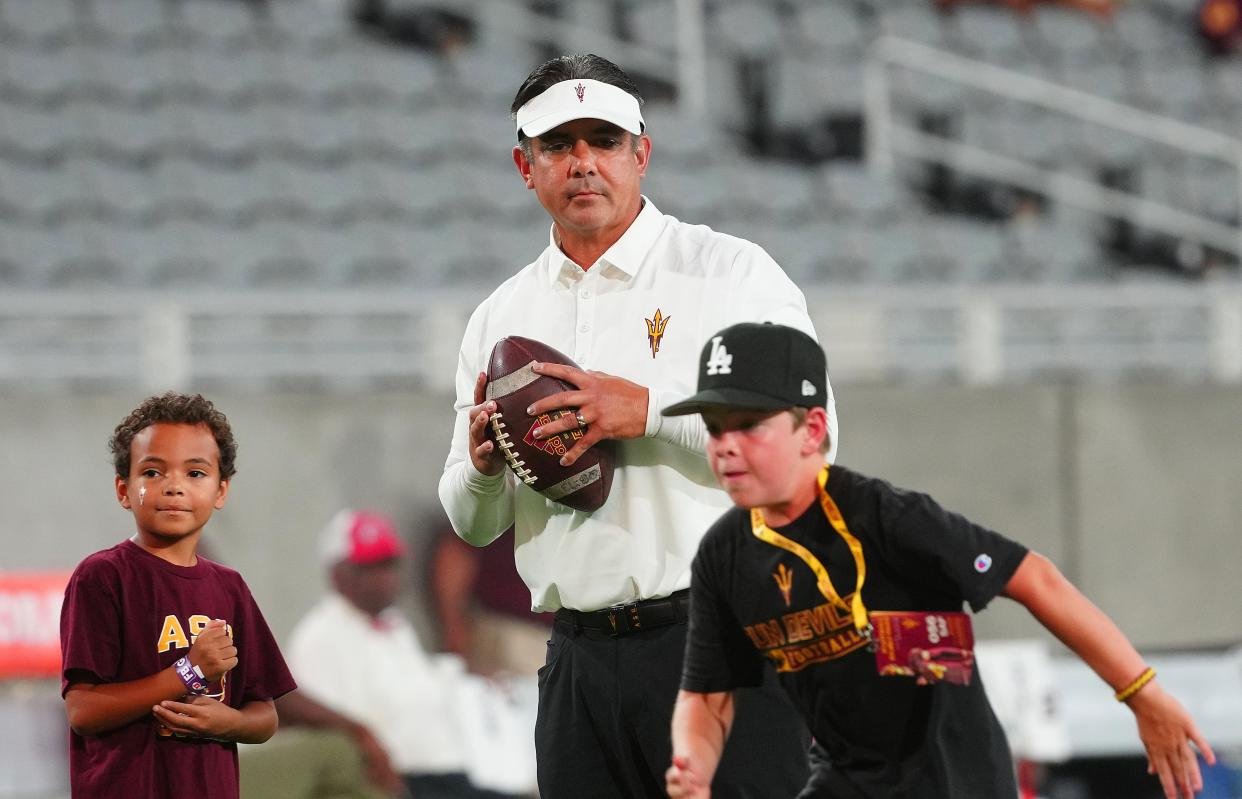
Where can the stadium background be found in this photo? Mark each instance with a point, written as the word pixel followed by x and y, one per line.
pixel 293 206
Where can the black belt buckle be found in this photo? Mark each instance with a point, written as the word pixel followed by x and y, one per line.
pixel 623 619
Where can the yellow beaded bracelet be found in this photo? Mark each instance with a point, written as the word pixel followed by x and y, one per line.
pixel 1133 688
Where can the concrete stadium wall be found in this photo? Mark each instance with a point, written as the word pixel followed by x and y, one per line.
pixel 1132 489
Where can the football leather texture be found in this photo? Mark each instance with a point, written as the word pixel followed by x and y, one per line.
pixel 514 386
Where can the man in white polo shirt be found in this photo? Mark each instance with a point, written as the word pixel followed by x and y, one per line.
pixel 629 293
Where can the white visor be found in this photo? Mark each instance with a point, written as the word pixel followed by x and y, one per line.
pixel 579 99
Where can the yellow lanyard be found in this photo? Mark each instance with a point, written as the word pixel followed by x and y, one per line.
pixel 822 580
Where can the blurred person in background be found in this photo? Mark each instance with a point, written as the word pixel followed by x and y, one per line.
pixel 1220 26
pixel 483 607
pixel 626 291
pixel 358 656
pixel 318 754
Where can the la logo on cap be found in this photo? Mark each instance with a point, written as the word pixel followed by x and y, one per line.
pixel 808 388
pixel 720 361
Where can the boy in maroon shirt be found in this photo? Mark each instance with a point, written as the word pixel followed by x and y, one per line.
pixel 167 662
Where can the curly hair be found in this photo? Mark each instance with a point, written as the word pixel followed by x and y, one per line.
pixel 174 408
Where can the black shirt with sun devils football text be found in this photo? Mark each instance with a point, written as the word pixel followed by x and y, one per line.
pixel 876 736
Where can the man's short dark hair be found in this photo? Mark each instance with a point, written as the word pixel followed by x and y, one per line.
pixel 579 66
pixel 174 408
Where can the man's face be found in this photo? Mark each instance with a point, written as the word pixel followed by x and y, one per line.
pixel 370 587
pixel 586 174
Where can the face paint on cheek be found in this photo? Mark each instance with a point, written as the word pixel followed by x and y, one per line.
pixel 142 495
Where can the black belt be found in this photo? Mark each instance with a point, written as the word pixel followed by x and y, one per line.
pixel 632 618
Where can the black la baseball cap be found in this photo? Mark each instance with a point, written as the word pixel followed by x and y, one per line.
pixel 761 367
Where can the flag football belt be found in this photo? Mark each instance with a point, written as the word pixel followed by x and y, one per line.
pixel 632 618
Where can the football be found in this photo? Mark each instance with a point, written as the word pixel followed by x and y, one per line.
pixel 514 386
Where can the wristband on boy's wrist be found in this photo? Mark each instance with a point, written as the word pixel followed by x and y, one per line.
pixel 1134 687
pixel 191 675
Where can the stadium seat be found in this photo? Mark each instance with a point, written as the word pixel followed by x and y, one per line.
pixel 856 191
pixel 309 24
pixel 30 249
pixel 427 195
pixel 398 75
pixel 221 194
pixel 960 250
pixel 1170 87
pixel 787 195
pixel 1214 189
pixel 749 29
pixel 135 135
pixel 39 75
pixel 141 249
pixel 234 77
pixel 811 85
pixel 1225 81
pixel 1107 79
pixel 923 92
pixel 32 133
pixel 89 271
pixel 1069 35
pixel 136 25
pixel 683 140
pixel 121 76
pixel 837 28
pixel 43 24
pixel 1042 252
pixel 651 23
pixel 1140 29
pixel 119 193
pixel 215 25
pixel 694 195
pixel 227 135
pixel 498 192
pixel 325 79
pixel 419 135
pixel 994 33
pixel 37 194
pixel 917 21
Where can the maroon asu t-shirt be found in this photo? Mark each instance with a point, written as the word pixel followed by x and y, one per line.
pixel 127 615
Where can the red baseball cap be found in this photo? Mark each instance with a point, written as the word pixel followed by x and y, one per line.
pixel 360 536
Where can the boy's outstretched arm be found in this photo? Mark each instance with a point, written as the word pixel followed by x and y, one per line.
pixel 96 708
pixel 203 717
pixel 701 723
pixel 1164 726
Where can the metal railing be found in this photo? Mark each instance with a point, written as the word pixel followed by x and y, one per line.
pixel 886 136
pixel 358 340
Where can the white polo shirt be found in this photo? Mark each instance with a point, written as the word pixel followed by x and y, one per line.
pixel 377 673
pixel 663 498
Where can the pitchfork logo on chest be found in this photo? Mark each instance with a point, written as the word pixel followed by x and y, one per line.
pixel 784 580
pixel 580 90
pixel 655 330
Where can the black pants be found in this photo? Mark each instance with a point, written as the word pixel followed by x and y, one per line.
pixel 605 714
pixel 454 785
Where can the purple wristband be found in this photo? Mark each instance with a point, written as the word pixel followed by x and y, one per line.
pixel 191 675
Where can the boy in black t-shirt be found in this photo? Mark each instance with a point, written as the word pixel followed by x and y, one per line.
pixel 817 569
pixel 167 662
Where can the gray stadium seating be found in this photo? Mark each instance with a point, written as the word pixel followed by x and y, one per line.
pixel 256 145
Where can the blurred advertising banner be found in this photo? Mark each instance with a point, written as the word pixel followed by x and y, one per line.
pixel 30 623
